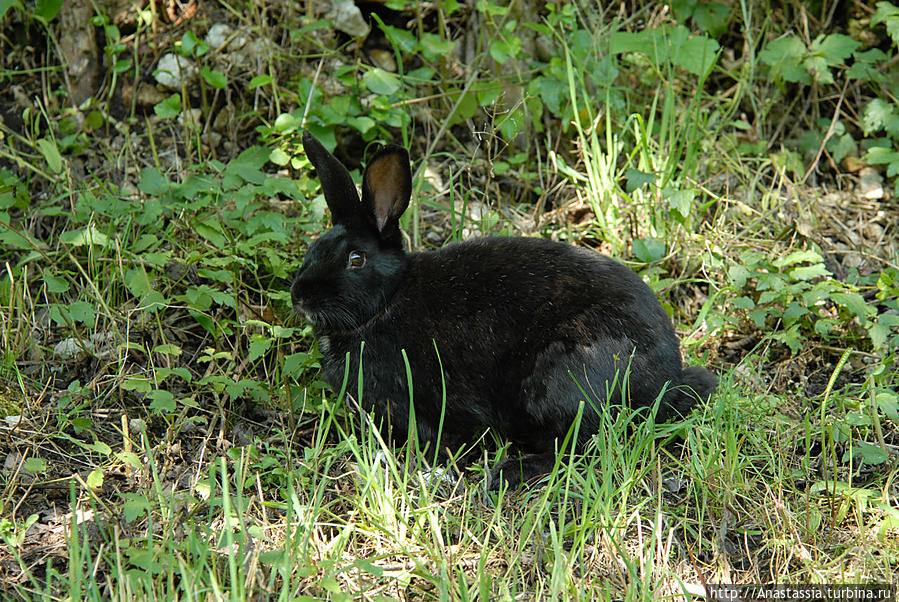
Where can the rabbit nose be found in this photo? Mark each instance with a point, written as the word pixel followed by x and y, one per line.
pixel 296 288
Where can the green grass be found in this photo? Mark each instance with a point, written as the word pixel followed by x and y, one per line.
pixel 166 433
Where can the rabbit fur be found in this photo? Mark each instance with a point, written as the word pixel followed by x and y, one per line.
pixel 515 331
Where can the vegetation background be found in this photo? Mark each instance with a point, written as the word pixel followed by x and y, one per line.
pixel 164 431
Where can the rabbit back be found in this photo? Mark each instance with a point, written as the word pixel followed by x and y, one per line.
pixel 516 332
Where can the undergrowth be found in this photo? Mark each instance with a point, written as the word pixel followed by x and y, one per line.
pixel 166 431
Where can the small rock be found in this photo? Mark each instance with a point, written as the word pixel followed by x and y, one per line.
pixel 870 184
pixel 211 139
pixel 12 461
pixel 853 164
pixel 852 260
pixel 99 345
pixel 873 232
pixel 146 95
pixel 383 59
pixel 194 120
pixel 347 18
pixel 70 348
pixel 433 177
pixel 173 69
pixel 544 48
pixel 674 484
pixel 223 118
pixel 218 34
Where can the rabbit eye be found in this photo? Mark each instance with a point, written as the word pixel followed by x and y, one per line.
pixel 356 260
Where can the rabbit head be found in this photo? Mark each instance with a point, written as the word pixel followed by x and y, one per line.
pixel 350 271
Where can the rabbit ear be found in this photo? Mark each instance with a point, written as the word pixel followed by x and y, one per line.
pixel 387 187
pixel 337 184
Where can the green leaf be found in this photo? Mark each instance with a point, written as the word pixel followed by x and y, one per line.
pixel 135 507
pixel 683 9
pixel 167 349
pixel 871 454
pixel 363 124
pixel 279 157
pixel 793 312
pixel 205 321
pixel 5 5
pixel 46 9
pixel 81 311
pixel 286 123
pixel 216 79
pixel 712 18
pixel 381 82
pixel 137 281
pixel 51 154
pixel 882 328
pixel 879 155
pixel 791 337
pixel 95 479
pixel 191 45
pixel 434 47
pixel 823 327
pixel 211 229
pixel 55 285
pixel 258 346
pixel 888 403
pixel 467 107
pixel 738 274
pixel 248 165
pixel 835 48
pixel 489 96
pixel 511 123
pixel 552 91
pixel 293 363
pixel 164 373
pixel 136 383
pixel 491 9
pixel 260 80
pixel 163 401
pixel 888 14
pixel 855 303
pixel 818 67
pixel 864 65
pixel 841 147
pixel 636 179
pixel 649 250
pixel 501 50
pixel 681 201
pixel 809 272
pixel 121 66
pixel 400 39
pixel 785 56
pixel 223 276
pixel 798 257
pixel 695 54
pixel 879 115
pixel 89 236
pixel 169 107
pixel 743 302
pixel 34 465
pixel 152 182
pixel 129 458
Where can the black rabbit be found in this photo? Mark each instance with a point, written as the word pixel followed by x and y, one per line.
pixel 515 332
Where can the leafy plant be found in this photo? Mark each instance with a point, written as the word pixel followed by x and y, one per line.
pixel 798 293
